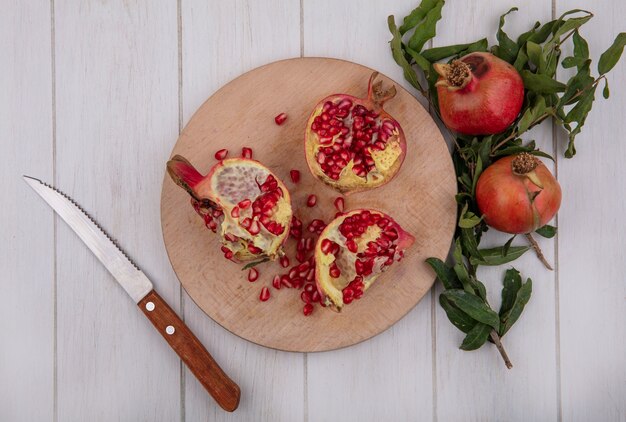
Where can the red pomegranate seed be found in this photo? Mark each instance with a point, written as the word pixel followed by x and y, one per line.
pixel 254 250
pixel 253 274
pixel 221 154
pixel 280 119
pixel 295 176
pixel 305 296
pixel 327 244
pixel 308 309
pixel 309 244
pixel 315 296
pixel 284 280
pixel 254 228
pixel 284 261
pixel 309 288
pixel 300 256
pixel 293 273
pixel 244 204
pixel 234 212
pixel 352 246
pixel 265 294
pixel 339 204
pixel 334 271
pixel 276 282
pixel 310 275
pixel 311 200
pixel 246 152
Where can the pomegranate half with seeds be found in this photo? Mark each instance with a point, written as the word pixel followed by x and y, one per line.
pixel 243 201
pixel 352 251
pixel 351 143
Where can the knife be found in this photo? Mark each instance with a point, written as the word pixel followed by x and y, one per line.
pixel 225 392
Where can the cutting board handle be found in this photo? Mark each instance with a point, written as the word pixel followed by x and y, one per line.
pixel 224 390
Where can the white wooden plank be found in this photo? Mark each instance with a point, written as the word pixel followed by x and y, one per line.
pixel 592 235
pixel 117 115
pixel 388 377
pixel 477 383
pixel 26 223
pixel 221 40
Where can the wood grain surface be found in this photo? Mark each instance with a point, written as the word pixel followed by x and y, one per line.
pixel 93 96
pixel 420 198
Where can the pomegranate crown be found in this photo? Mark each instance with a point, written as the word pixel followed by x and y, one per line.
pixel 375 91
pixel 456 75
pixel 524 164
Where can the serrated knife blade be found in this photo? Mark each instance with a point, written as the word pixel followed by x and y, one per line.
pixel 140 289
pixel 127 274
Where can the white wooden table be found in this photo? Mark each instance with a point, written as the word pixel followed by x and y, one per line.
pixel 92 97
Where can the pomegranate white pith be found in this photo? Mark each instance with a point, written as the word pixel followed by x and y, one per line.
pixel 241 200
pixel 352 251
pixel 351 143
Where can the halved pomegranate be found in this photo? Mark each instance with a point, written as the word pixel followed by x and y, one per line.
pixel 351 143
pixel 352 251
pixel 250 205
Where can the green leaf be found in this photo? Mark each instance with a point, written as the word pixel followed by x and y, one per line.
pixel 535 55
pixel 479 288
pixel 546 231
pixel 398 55
pixel 611 56
pixel 254 264
pixel 605 91
pixel 439 53
pixel 521 299
pixel 510 286
pixel 579 114
pixel 417 15
pixel 544 32
pixel 507 245
pixel 444 273
pixel 476 337
pixel 468 240
pixel 427 29
pixel 419 60
pixel 581 48
pixel 570 62
pixel 523 38
pixel 541 84
pixel 533 113
pixel 494 256
pixel 579 82
pixel 460 319
pixel 469 220
pixel 507 48
pixel 473 306
pixel 521 60
pixel 459 267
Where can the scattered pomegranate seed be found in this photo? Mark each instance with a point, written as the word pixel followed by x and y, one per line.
pixel 276 282
pixel 221 154
pixel 305 297
pixel 244 204
pixel 253 274
pixel 265 294
pixel 311 200
pixel 246 152
pixel 234 212
pixel 295 176
pixel 284 261
pixel 280 119
pixel 339 204
pixel 308 309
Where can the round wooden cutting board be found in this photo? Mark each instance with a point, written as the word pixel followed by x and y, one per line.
pixel 420 198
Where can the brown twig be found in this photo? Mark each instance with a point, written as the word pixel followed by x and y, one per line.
pixel 496 340
pixel 538 251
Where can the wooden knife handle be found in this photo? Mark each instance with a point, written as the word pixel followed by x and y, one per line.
pixel 225 392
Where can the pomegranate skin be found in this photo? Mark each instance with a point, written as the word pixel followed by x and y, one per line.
pixel 490 100
pixel 504 198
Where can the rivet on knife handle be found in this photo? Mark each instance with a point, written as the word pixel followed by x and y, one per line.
pixel 224 390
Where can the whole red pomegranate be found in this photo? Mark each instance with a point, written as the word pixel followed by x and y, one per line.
pixel 351 253
pixel 351 143
pixel 479 94
pixel 518 194
pixel 243 201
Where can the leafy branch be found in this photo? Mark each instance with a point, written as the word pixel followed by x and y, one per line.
pixel 536 55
